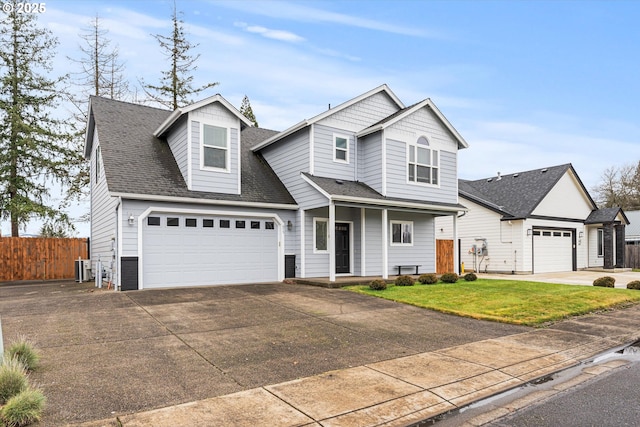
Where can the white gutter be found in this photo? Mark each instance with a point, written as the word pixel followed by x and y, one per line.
pixel 155 198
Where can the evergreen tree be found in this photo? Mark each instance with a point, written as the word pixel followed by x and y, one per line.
pixel 175 88
pixel 34 146
pixel 247 111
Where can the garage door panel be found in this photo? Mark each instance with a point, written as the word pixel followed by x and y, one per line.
pixel 552 251
pixel 191 256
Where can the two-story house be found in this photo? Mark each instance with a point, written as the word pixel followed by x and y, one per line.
pixel 198 196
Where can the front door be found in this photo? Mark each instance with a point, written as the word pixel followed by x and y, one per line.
pixel 343 263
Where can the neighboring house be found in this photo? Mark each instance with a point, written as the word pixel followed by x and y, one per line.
pixel 198 196
pixel 633 229
pixel 537 221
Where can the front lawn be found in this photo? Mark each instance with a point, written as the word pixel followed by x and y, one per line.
pixel 508 301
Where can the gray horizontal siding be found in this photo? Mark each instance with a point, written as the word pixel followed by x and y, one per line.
pixel 370 161
pixel 211 180
pixel 177 140
pixel 324 165
pixel 422 252
pixel 373 242
pixel 362 114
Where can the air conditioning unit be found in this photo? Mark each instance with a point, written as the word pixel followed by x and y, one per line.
pixel 83 270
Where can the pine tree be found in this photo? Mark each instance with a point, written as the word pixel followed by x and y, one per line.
pixel 34 145
pixel 247 111
pixel 175 87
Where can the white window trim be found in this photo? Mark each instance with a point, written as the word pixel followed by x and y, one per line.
pixel 391 242
pixel 335 159
pixel 411 146
pixel 227 169
pixel 315 250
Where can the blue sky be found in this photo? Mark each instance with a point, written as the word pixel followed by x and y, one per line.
pixel 528 84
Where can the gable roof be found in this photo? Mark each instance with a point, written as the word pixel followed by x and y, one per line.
pixel 358 192
pixel 301 125
pixel 175 116
pixel 605 215
pixel 517 195
pixel 139 165
pixel 405 112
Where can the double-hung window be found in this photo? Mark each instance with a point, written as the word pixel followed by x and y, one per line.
pixel 423 165
pixel 341 148
pixel 215 147
pixel 401 233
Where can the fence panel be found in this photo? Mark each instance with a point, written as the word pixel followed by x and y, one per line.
pixel 36 258
pixel 632 259
pixel 444 256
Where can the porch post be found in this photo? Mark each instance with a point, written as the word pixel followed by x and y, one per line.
pixel 363 228
pixel 332 241
pixel 456 261
pixel 303 230
pixel 385 245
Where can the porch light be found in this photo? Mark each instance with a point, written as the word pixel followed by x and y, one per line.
pixel 131 219
pixel 581 234
pixel 529 232
pixel 289 225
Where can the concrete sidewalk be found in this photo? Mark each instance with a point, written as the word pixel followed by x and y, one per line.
pixel 407 390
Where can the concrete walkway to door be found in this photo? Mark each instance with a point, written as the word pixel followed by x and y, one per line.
pixel 584 278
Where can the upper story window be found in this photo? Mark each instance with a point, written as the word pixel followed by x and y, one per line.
pixel 340 148
pixel 423 165
pixel 215 147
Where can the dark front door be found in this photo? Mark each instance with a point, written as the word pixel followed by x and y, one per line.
pixel 343 263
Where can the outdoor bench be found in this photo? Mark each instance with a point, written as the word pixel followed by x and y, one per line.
pixel 400 267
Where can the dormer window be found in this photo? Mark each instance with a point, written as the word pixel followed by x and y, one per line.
pixel 215 147
pixel 423 163
pixel 340 149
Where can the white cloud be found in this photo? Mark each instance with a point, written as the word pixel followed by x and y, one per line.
pixel 281 35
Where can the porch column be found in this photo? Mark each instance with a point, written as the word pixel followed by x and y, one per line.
pixel 363 228
pixel 385 245
pixel 456 261
pixel 331 243
pixel 609 247
pixel 303 230
pixel 620 245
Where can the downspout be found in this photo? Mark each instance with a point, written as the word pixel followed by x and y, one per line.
pixel 118 248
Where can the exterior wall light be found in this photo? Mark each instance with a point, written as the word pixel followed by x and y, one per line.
pixel 529 232
pixel 289 225
pixel 131 219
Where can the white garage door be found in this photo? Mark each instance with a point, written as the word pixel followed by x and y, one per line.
pixel 192 250
pixel 552 251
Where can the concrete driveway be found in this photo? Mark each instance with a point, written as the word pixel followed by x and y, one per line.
pixel 108 353
pixel 570 278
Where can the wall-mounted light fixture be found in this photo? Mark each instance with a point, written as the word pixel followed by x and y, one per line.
pixel 581 234
pixel 131 219
pixel 289 225
pixel 529 232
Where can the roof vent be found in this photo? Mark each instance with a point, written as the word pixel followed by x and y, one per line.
pixel 515 175
pixel 490 179
pixel 339 181
pixel 499 177
pixel 544 170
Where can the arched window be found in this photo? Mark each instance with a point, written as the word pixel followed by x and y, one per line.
pixel 423 163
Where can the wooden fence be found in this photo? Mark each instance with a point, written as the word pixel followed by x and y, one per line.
pixel 35 258
pixel 632 259
pixel 444 256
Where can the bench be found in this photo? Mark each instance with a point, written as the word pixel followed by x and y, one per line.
pixel 400 267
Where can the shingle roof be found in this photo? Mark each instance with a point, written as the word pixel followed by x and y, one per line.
pixel 603 215
pixel 360 190
pixel 136 162
pixel 515 195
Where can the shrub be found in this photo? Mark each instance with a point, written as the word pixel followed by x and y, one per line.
pixel 605 281
pixel 24 351
pixel 449 277
pixel 13 379
pixel 23 408
pixel 404 280
pixel 428 279
pixel 378 285
pixel 470 277
pixel 634 285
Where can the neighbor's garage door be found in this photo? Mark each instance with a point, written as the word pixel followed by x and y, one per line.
pixel 190 250
pixel 552 251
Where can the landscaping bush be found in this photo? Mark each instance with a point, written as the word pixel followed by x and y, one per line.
pixel 24 351
pixel 605 281
pixel 404 280
pixel 23 408
pixel 449 278
pixel 634 285
pixel 470 277
pixel 428 279
pixel 13 379
pixel 378 285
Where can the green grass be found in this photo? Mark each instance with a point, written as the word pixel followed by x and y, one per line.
pixel 508 301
